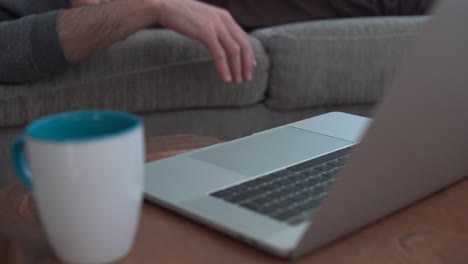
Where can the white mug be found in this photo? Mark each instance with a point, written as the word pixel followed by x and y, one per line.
pixel 85 172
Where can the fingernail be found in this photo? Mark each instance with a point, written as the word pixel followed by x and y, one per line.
pixel 254 63
pixel 249 77
pixel 239 80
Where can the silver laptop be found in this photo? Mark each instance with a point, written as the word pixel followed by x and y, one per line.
pixel 294 188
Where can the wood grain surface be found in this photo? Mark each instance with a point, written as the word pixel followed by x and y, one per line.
pixel 434 230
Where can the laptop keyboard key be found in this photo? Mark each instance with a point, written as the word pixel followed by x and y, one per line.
pixel 303 166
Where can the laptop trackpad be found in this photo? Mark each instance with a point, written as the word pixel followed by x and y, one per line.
pixel 273 150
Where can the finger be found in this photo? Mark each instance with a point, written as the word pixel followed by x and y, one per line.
pixel 219 57
pixel 247 59
pixel 233 51
pixel 247 53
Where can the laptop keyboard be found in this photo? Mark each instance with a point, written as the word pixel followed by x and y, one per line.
pixel 290 195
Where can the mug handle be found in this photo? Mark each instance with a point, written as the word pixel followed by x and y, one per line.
pixel 19 163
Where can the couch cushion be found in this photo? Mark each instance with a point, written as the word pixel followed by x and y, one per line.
pixel 335 62
pixel 152 70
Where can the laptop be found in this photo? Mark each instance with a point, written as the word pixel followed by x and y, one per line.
pixel 295 188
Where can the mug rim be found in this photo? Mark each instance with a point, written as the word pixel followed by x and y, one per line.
pixel 133 123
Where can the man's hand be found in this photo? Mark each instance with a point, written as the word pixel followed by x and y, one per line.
pixel 228 43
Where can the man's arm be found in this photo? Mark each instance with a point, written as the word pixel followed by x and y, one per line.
pixel 87 29
pixel 38 46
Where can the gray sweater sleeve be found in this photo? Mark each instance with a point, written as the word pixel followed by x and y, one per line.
pixel 30 48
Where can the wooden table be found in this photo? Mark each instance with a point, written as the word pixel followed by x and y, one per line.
pixel 432 231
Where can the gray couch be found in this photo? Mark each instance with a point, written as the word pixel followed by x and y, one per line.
pixel 303 70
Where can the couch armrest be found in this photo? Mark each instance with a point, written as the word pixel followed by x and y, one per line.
pixel 153 70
